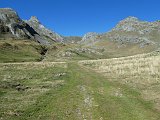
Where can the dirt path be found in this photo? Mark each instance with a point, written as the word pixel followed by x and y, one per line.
pixel 84 109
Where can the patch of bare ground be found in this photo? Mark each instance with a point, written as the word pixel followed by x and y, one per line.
pixel 84 109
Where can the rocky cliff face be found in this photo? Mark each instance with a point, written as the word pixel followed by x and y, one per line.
pixel 43 31
pixel 12 26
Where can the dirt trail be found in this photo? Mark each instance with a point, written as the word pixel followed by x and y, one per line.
pixel 84 110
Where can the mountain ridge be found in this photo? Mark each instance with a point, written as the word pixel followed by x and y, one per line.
pixel 15 27
pixel 129 37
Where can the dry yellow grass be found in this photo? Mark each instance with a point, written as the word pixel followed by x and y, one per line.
pixel 32 65
pixel 140 72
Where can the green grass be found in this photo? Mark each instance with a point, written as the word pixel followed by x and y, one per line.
pixel 19 51
pixel 67 91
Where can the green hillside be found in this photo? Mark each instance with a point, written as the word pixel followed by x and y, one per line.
pixel 20 51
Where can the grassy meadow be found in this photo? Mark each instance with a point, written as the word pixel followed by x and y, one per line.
pixel 125 88
pixel 140 72
pixel 114 89
pixel 20 51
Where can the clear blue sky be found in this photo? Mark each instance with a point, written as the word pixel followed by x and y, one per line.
pixel 77 17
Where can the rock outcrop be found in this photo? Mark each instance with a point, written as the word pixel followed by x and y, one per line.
pixel 133 30
pixel 133 24
pixel 128 32
pixel 12 25
pixel 43 31
pixel 90 38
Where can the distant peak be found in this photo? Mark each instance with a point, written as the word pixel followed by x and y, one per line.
pixel 6 9
pixel 131 18
pixel 91 33
pixel 34 19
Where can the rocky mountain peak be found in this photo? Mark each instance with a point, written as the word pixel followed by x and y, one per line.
pixel 8 15
pixel 130 24
pixel 34 19
pixel 133 30
pixel 44 32
pixel 131 19
pixel 12 26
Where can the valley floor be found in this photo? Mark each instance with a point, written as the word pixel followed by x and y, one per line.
pixel 73 91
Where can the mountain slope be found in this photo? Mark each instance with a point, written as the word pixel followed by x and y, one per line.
pixel 19 41
pixel 45 33
pixel 20 51
pixel 130 36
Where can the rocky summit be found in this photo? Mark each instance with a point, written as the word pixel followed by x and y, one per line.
pixel 43 31
pixel 134 24
pixel 12 26
pixel 130 30
pixel 133 30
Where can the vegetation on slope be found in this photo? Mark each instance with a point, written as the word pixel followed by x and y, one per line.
pixel 103 49
pixel 20 51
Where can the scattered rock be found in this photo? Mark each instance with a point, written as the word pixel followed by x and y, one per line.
pixel 59 74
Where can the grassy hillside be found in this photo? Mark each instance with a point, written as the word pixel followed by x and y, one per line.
pixel 20 51
pixel 115 49
pixel 102 49
pixel 70 52
pixel 124 89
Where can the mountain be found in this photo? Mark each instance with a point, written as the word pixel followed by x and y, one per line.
pixel 133 30
pixel 13 27
pixel 129 37
pixel 45 33
pixel 129 30
pixel 19 40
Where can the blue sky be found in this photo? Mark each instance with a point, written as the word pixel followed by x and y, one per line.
pixel 77 17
